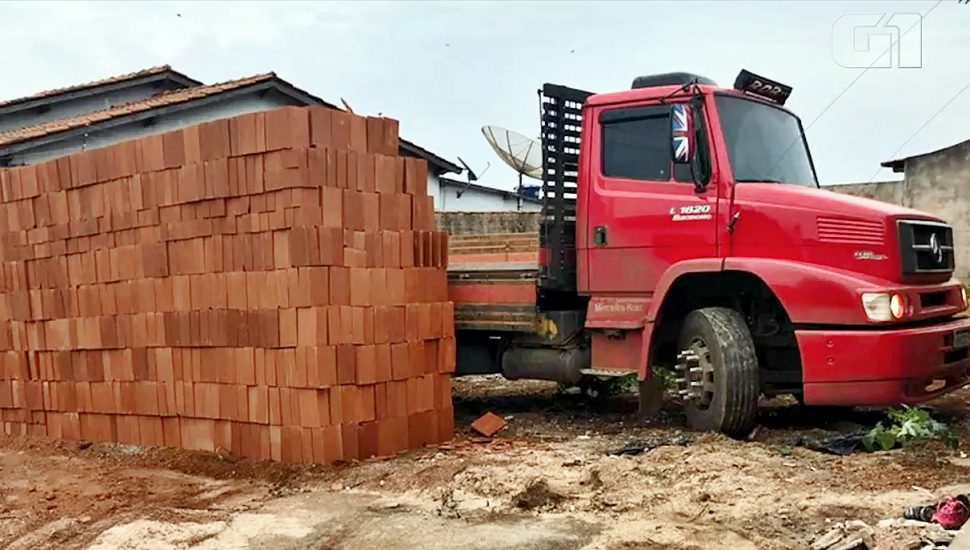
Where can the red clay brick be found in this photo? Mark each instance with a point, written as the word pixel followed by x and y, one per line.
pixel 214 141
pixel 446 355
pixel 349 441
pixel 306 326
pixel 392 436
pixel 358 134
pixel 317 282
pixel 325 363
pixel 198 434
pixel 446 425
pixel 275 402
pixel 314 409
pixel 380 401
pixel 346 364
pixel 98 427
pixel 276 442
pixel 360 287
pixel 247 134
pixel 384 362
pixel 416 177
pixel 419 433
pixel 287 127
pixel 291 444
pixel 171 432
pixel 367 442
pixel 151 431
pixel 397 398
pixel 321 122
pixel 288 327
pixel 340 129
pixel 244 362
pixel 128 430
pixel 366 364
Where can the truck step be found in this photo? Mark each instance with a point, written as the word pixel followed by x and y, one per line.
pixel 605 372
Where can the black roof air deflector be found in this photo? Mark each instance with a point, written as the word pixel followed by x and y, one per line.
pixel 670 79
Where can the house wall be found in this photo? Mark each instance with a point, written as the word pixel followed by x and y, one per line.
pixel 225 108
pixel 29 116
pixel 434 189
pixel 937 183
pixel 473 200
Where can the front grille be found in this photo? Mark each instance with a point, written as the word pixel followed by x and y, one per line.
pixel 850 231
pixel 925 247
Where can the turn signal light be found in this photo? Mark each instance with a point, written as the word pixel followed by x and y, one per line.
pixel 897 306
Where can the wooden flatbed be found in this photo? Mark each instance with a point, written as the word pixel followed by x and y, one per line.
pixel 492 280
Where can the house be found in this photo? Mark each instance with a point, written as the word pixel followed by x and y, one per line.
pixel 459 196
pixel 96 114
pixel 935 182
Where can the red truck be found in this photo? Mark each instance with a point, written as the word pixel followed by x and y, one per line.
pixel 682 225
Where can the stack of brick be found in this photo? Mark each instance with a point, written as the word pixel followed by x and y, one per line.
pixel 270 284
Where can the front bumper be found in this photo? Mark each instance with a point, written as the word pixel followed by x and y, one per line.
pixel 882 367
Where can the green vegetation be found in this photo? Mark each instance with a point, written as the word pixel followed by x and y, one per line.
pixel 905 425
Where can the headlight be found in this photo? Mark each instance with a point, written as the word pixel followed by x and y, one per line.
pixel 883 306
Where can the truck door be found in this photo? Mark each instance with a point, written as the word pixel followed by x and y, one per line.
pixel 643 212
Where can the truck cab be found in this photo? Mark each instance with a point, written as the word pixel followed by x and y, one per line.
pixel 683 226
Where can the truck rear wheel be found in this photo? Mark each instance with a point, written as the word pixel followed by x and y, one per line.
pixel 719 372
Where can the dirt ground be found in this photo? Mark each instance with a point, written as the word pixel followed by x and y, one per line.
pixel 568 472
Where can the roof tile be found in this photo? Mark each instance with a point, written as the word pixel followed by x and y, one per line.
pixel 161 100
pixel 105 81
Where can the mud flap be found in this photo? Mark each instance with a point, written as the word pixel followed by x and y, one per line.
pixel 651 398
pixel 643 365
pixel 651 388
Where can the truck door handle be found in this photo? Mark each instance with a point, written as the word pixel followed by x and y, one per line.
pixel 599 235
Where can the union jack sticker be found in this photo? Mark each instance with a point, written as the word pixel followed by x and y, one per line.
pixel 680 130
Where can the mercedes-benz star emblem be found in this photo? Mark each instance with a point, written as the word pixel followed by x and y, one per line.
pixel 936 249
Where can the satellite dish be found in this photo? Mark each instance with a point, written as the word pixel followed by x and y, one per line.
pixel 523 154
pixel 472 176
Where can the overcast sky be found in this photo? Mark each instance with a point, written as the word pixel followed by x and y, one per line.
pixel 446 69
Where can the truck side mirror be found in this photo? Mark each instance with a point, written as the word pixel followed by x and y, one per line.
pixel 681 133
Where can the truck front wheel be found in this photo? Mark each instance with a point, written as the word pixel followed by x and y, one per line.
pixel 718 372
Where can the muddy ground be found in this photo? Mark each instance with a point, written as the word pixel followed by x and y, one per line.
pixel 568 472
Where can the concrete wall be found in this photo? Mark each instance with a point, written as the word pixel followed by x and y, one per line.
pixel 479 223
pixel 886 191
pixel 230 107
pixel 21 118
pixel 937 183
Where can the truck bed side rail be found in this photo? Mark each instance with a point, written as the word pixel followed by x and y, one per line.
pixel 561 121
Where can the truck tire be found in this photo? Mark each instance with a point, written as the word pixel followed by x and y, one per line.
pixel 728 401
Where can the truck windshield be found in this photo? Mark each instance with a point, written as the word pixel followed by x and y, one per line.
pixel 764 143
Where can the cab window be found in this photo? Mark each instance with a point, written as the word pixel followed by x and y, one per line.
pixel 636 144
